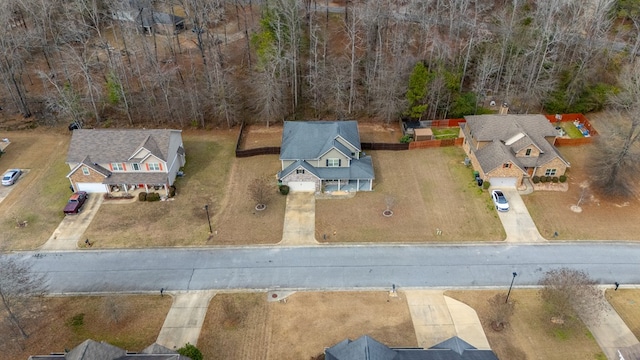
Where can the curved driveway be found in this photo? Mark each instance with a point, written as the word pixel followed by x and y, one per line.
pixel 330 267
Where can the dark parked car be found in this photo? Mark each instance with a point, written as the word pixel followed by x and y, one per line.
pixel 10 177
pixel 75 202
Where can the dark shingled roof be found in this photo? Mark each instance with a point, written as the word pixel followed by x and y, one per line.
pixel 107 146
pixel 93 350
pixel 367 348
pixel 311 139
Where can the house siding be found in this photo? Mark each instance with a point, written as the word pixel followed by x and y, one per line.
pixel 333 154
pixel 553 164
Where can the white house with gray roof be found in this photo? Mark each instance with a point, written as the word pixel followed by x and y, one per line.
pixel 505 149
pixel 105 160
pixel 324 156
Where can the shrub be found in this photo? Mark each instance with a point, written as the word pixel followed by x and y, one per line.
pixel 554 179
pixel 142 196
pixel 543 179
pixel 284 189
pixel 536 179
pixel 548 178
pixel 562 178
pixel 191 352
pixel 172 191
pixel 406 139
pixel 153 196
pixel 486 185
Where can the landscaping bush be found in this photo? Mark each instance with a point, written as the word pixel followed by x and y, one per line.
pixel 191 352
pixel 486 185
pixel 172 191
pixel 543 179
pixel 548 178
pixel 562 178
pixel 142 196
pixel 153 196
pixel 284 189
pixel 536 179
pixel 406 139
pixel 554 179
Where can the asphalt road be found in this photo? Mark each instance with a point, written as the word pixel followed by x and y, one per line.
pixel 329 267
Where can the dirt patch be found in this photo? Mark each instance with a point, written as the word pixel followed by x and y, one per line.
pixel 129 322
pixel 434 199
pixel 245 326
pixel 626 302
pixel 530 333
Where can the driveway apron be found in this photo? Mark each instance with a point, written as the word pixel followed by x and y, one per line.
pixel 185 318
pixel 72 227
pixel 517 222
pixel 437 318
pixel 299 219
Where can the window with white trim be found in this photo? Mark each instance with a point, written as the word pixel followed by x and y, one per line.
pixel 333 162
pixel 154 167
pixel 136 166
pixel 85 170
pixel 550 172
pixel 527 152
pixel 117 167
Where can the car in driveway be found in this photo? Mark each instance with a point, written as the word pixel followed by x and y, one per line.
pixel 11 176
pixel 499 200
pixel 75 202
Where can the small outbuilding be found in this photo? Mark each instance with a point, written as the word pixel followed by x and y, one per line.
pixel 420 134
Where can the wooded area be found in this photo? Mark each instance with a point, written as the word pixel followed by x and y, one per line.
pixel 209 63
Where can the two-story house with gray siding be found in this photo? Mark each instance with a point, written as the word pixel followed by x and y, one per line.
pixel 324 156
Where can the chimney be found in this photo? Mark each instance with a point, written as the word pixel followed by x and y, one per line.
pixel 504 109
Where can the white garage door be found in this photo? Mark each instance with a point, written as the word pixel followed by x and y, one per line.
pixel 302 186
pixel 92 187
pixel 503 182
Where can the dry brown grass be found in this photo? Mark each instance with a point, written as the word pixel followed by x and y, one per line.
pixel 530 334
pixel 602 218
pixel 432 190
pixel 303 326
pixel 626 302
pixel 139 322
pixel 39 196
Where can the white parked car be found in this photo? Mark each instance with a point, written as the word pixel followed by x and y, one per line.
pixel 10 177
pixel 500 200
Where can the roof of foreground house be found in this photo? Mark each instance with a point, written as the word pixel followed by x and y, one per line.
pixel 312 139
pixel 93 350
pixel 509 134
pixel 118 145
pixel 367 348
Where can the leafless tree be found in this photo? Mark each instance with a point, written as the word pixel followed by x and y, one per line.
pixel 569 294
pixel 500 311
pixel 20 290
pixel 260 190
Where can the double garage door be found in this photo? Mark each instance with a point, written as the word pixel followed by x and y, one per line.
pixel 505 182
pixel 306 186
pixel 92 187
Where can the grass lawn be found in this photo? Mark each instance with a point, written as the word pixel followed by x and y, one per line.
pixel 627 305
pixel 446 133
pixel 40 194
pixel 530 334
pixel 602 218
pixel 431 188
pixel 246 326
pixel 129 322
pixel 571 130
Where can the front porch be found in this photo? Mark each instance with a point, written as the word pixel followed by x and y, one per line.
pixel 347 185
pixel 128 190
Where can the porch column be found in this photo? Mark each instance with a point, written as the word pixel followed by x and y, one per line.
pixel 146 188
pixel 166 190
pixel 357 184
pixel 338 184
pixel 126 189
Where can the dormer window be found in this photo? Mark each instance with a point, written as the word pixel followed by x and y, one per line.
pixel 527 152
pixel 300 171
pixel 506 165
pixel 85 170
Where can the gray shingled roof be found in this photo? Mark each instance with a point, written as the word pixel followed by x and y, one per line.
pixel 106 145
pixel 531 130
pixel 311 139
pixel 93 350
pixel 367 348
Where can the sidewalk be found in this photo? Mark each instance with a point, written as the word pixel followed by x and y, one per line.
pixel 185 318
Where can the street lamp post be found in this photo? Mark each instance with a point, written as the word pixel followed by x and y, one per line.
pixel 206 208
pixel 510 286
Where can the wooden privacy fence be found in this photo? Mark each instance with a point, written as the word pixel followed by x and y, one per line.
pixel 435 143
pixel 384 146
pixel 571 118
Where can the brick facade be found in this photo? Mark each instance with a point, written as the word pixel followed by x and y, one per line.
pixel 79 177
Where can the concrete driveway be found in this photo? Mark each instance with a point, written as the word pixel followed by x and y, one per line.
pixel 517 222
pixel 300 219
pixel 72 227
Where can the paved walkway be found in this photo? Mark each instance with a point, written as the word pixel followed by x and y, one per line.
pixel 299 219
pixel 437 318
pixel 517 222
pixel 610 331
pixel 72 227
pixel 185 318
